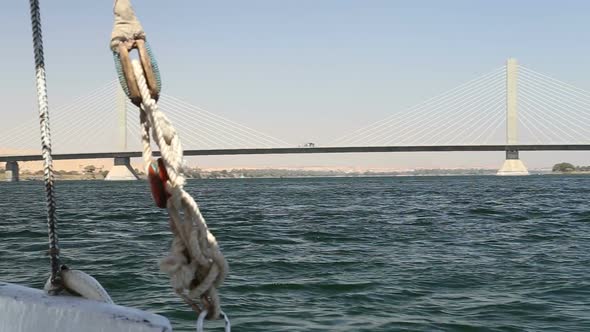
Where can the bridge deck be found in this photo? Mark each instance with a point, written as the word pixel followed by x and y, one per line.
pixel 351 149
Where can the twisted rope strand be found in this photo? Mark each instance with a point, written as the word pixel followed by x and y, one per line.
pixel 45 142
pixel 195 264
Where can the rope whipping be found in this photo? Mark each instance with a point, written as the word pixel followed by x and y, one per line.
pixel 195 264
pixel 43 105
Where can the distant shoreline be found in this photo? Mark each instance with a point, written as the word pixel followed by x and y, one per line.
pixel 226 176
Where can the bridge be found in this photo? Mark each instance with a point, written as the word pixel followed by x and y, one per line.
pixel 512 108
pixel 346 149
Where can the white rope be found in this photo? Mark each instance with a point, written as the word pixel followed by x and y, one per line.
pixel 199 273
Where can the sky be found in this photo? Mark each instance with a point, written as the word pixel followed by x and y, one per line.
pixel 303 70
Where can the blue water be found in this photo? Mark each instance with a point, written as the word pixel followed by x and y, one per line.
pixel 337 254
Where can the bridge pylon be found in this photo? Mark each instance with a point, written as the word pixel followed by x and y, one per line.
pixel 512 165
pixel 122 170
pixel 12 171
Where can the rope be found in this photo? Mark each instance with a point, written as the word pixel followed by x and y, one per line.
pixel 45 144
pixel 195 265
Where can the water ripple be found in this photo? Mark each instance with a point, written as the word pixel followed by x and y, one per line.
pixel 362 254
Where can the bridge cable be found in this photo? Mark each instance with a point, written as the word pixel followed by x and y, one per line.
pixel 560 114
pixel 551 123
pixel 549 78
pixel 533 115
pixel 534 123
pixel 433 121
pixel 430 102
pixel 467 111
pixel 493 131
pixel 554 98
pixel 464 132
pixel 221 121
pixel 439 110
pixel 483 122
pixel 217 129
pixel 490 124
pixel 195 136
pixel 557 90
pixel 525 124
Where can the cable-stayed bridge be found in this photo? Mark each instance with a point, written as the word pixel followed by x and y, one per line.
pixel 512 108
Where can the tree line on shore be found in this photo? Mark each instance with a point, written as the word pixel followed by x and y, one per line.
pixel 569 168
pixel 93 172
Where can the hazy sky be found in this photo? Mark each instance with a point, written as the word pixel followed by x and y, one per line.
pixel 303 70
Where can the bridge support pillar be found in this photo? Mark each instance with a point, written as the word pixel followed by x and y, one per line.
pixel 513 165
pixel 122 170
pixel 12 171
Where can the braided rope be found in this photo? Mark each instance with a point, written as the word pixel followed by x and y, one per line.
pixel 45 142
pixel 195 265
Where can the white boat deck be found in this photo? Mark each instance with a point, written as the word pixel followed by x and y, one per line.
pixel 24 309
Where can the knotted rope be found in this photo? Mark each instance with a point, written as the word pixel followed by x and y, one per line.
pixel 41 83
pixel 195 265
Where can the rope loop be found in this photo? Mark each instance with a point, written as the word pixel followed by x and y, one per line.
pixel 203 315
